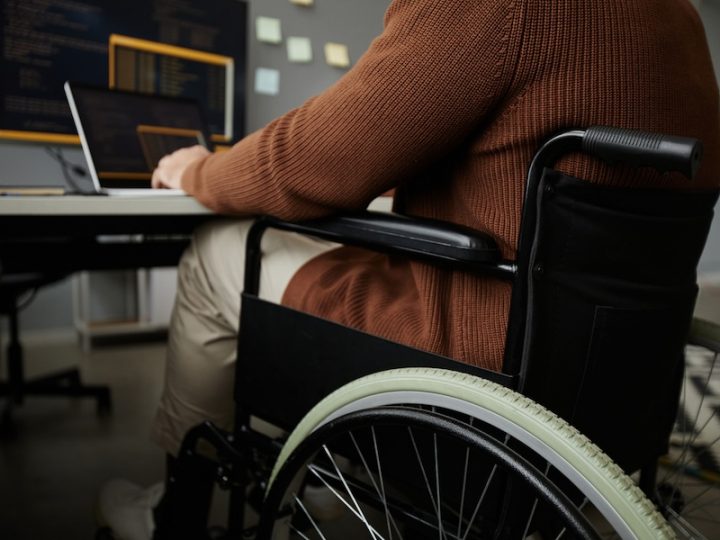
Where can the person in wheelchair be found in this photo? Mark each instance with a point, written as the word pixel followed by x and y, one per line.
pixel 446 108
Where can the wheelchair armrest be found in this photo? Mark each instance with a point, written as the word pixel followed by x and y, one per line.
pixel 430 240
pixel 436 240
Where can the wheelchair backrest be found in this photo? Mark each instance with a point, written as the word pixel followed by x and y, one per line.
pixel 609 287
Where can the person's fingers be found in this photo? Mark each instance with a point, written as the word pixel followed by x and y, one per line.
pixel 170 167
pixel 155 182
pixel 198 151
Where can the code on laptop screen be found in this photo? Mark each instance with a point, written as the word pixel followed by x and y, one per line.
pixel 127 133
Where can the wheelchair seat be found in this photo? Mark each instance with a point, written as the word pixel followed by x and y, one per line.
pixel 603 295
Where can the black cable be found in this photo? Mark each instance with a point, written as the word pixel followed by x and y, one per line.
pixel 67 168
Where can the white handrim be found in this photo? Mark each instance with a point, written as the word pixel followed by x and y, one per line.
pixel 613 493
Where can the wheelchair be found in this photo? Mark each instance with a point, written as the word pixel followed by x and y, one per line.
pixel 403 444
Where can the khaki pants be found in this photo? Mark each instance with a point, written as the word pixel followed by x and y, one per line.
pixel 202 341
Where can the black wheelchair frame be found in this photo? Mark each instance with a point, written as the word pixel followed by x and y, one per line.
pixel 608 260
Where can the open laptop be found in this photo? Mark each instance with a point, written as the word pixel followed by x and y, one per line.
pixel 125 134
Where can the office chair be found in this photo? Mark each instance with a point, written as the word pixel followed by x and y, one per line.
pixel 16 388
pixel 415 445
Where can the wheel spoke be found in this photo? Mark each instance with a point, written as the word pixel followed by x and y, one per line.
pixel 307 514
pixel 690 433
pixel 690 467
pixel 530 518
pixel 388 517
pixel 381 489
pixel 437 487
pixel 299 532
pixel 684 525
pixel 707 502
pixel 482 495
pixel 534 506
pixel 357 511
pixel 685 436
pixel 698 496
pixel 480 501
pixel 422 469
pixel 464 487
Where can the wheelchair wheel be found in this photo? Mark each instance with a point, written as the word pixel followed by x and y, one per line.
pixel 688 478
pixel 427 453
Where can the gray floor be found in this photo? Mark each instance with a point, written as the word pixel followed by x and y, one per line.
pixel 61 452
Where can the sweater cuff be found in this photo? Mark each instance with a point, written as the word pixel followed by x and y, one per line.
pixel 192 176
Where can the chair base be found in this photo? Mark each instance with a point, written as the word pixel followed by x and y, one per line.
pixel 65 383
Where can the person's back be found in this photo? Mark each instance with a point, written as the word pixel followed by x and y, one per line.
pixel 639 64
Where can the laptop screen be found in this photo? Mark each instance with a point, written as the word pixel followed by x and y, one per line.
pixel 125 134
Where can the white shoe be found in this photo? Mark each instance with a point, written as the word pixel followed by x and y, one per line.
pixel 322 503
pixel 127 509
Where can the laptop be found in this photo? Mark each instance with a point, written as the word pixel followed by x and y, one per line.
pixel 125 134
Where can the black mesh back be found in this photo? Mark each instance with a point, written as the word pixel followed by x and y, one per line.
pixel 610 299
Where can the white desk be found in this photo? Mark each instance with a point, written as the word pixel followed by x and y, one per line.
pixel 11 205
pixel 61 235
pixel 51 219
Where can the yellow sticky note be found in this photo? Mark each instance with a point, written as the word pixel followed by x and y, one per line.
pixel 299 49
pixel 337 55
pixel 268 30
pixel 303 2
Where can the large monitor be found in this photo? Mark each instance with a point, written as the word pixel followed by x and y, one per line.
pixel 178 48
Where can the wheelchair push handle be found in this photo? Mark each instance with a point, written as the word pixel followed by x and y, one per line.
pixel 640 148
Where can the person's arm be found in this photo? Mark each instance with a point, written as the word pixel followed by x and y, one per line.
pixel 423 88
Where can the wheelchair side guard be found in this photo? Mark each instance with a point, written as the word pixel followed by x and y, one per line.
pixel 327 355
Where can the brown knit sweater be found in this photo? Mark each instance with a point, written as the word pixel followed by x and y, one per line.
pixel 447 106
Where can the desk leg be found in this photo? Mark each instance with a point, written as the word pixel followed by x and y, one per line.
pixel 143 296
pixel 81 308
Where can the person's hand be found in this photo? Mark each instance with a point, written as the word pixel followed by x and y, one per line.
pixel 171 168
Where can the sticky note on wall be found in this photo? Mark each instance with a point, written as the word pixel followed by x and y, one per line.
pixel 337 55
pixel 268 30
pixel 267 81
pixel 299 49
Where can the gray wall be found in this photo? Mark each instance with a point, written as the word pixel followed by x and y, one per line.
pixel 710 262
pixel 354 22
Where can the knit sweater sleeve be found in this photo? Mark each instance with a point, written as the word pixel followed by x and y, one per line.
pixel 424 86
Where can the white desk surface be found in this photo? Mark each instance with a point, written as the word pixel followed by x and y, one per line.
pixel 73 205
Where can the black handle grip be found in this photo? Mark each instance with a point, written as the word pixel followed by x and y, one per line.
pixel 640 148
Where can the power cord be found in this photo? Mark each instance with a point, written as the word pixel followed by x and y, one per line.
pixel 68 168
